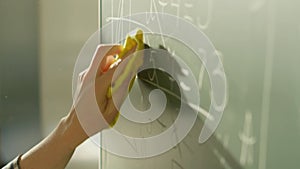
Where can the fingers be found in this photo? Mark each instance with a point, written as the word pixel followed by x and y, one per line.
pixel 126 67
pixel 116 82
pixel 103 83
pixel 105 54
pixel 105 63
pixel 103 57
pixel 110 106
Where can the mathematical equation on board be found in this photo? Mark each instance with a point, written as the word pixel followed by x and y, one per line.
pixel 180 8
pixel 186 9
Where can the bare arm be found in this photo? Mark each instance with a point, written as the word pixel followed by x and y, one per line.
pixel 56 150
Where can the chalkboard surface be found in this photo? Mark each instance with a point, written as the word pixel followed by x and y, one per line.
pixel 258 43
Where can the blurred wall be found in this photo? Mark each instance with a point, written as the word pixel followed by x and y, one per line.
pixel 39 44
pixel 65 25
pixel 19 82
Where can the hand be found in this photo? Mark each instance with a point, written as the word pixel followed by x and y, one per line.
pixel 94 108
pixel 91 98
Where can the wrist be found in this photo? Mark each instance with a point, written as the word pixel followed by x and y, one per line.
pixel 74 134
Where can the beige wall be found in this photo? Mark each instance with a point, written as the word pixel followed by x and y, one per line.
pixel 64 27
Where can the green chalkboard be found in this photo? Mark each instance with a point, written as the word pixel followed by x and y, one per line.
pixel 258 43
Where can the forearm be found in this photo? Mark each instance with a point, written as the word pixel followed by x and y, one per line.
pixel 56 150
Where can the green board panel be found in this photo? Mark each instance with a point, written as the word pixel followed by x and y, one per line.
pixel 258 42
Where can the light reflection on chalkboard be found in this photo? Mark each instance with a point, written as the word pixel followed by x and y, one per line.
pixel 188 5
pixel 267 86
pixel 257 5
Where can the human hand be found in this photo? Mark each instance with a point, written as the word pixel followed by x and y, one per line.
pixel 94 108
pixel 94 105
